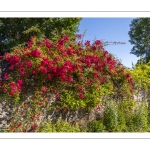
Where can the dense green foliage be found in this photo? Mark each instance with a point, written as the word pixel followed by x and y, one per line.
pixel 136 121
pixel 139 37
pixel 59 126
pixel 17 31
pixel 141 76
pixel 111 116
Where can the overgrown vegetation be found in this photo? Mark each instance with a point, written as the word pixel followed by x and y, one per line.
pixel 59 75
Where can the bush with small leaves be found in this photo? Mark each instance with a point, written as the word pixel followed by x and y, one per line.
pixel 111 116
pixel 96 126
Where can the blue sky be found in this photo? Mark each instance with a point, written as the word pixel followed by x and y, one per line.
pixel 111 29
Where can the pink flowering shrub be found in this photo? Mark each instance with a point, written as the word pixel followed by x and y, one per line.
pixel 76 74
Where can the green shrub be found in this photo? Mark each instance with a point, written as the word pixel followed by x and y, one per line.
pixel 64 126
pixel 130 123
pixel 59 126
pixel 83 128
pixel 121 122
pixel 96 126
pixel 111 116
pixel 137 121
pixel 46 127
pixel 141 118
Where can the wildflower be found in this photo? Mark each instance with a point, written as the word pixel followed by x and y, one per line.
pixel 4 89
pixel 57 95
pixel 32 117
pixel 67 108
pixel 79 36
pixel 19 124
pixel 98 42
pixel 81 95
pixel 44 89
pixel 11 129
pixel 20 81
pixel 98 107
pixel 60 43
pixel 33 126
pixel 87 43
pixel 29 64
pixel 40 103
pixel 6 76
pixel 43 70
pixel 38 118
pixel 35 53
pixel 24 130
pixel 48 43
pixel 24 105
pixel 65 38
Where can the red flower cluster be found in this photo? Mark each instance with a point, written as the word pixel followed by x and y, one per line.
pixel 51 66
pixel 35 53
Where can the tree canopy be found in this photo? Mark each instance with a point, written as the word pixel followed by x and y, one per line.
pixel 17 31
pixel 140 37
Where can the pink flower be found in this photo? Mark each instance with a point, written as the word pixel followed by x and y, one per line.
pixel 38 113
pixel 30 43
pixel 67 108
pixel 11 93
pixel 79 36
pixel 29 64
pixel 6 76
pixel 60 43
pixel 32 117
pixel 24 105
pixel 103 79
pixel 127 75
pixel 98 107
pixel 81 95
pixel 48 43
pixel 45 61
pixel 11 67
pixel 38 118
pixel 49 76
pixel 57 95
pixel 40 103
pixel 20 81
pixel 44 89
pixel 19 124
pixel 43 70
pixel 65 38
pixel 33 126
pixel 98 42
pixel 13 59
pixel 11 129
pixel 33 72
pixel 122 70
pixel 87 43
pixel 22 73
pixel 35 53
pixel 80 89
pixel 94 47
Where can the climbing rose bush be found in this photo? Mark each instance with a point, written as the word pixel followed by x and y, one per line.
pixel 67 75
